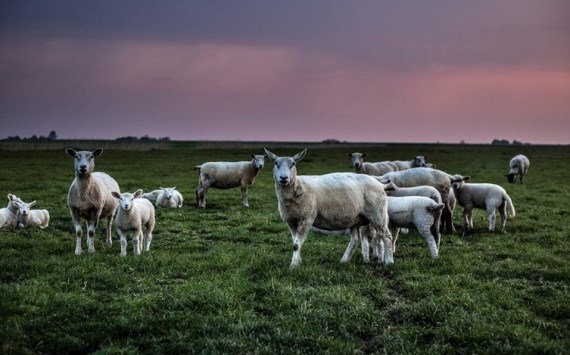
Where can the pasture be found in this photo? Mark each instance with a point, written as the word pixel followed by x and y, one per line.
pixel 217 280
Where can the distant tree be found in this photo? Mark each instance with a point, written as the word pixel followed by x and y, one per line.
pixel 331 141
pixel 462 141
pixel 515 142
pixel 500 142
pixel 52 136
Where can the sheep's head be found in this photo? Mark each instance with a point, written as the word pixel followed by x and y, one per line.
pixel 13 201
pixel 284 169
pixel 258 160
pixel 24 208
pixel 126 199
pixel 419 161
pixel 167 192
pixel 511 177
pixel 84 161
pixel 458 181
pixel 357 159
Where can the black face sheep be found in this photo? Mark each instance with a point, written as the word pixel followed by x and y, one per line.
pixel 133 214
pixel 519 166
pixel 226 175
pixel 90 197
pixel 489 197
pixel 330 202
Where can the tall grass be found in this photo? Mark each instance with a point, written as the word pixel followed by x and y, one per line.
pixel 217 280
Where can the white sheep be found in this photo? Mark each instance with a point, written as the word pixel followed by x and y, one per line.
pixel 519 166
pixel 489 197
pixel 90 197
pixel 226 175
pixel 31 218
pixel 134 213
pixel 383 167
pixel 425 176
pixel 424 190
pixel 152 196
pixel 169 197
pixel 333 201
pixel 9 214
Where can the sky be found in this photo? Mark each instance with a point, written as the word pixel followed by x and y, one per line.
pixel 298 70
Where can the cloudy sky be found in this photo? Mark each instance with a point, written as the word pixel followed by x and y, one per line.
pixel 301 70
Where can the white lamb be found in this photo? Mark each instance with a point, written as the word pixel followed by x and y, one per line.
pixel 330 202
pixel 169 197
pixel 519 166
pixel 134 213
pixel 426 176
pixel 226 175
pixel 383 167
pixel 90 197
pixel 31 218
pixel 9 214
pixel 152 196
pixel 489 197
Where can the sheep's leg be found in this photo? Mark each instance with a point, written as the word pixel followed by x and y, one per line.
pixel 503 214
pixel 109 230
pixel 148 235
pixel 299 237
pixel 137 242
pixel 430 240
pixel 349 252
pixel 387 240
pixel 395 232
pixel 244 200
pixel 78 231
pixel 435 232
pixel 466 217
pixel 491 218
pixel 91 228
pixel 123 239
pixel 201 196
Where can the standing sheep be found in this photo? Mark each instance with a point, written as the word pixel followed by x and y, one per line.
pixel 31 218
pixel 90 197
pixel 519 166
pixel 489 197
pixel 134 213
pixel 169 197
pixel 226 175
pixel 9 214
pixel 331 202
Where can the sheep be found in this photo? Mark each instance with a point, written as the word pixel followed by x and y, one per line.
pixel 90 197
pixel 519 166
pixel 9 214
pixel 133 213
pixel 226 175
pixel 169 197
pixel 152 196
pixel 383 167
pixel 423 190
pixel 425 176
pixel 31 218
pixel 333 201
pixel 483 196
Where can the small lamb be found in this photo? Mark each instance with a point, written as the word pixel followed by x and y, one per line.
pixel 169 197
pixel 488 197
pixel 152 196
pixel 9 214
pixel 134 213
pixel 226 175
pixel 31 218
pixel 333 201
pixel 519 166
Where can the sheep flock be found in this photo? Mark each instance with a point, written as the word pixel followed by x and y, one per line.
pixel 371 203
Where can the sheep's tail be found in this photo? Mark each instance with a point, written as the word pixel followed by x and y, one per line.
pixel 435 208
pixel 198 167
pixel 510 207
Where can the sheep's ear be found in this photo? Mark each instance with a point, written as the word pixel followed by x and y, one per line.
pixel 253 156
pixel 174 188
pixel 270 155
pixel 300 155
pixel 97 152
pixel 138 193
pixel 162 188
pixel 466 178
pixel 364 155
pixel 10 197
pixel 31 203
pixel 116 194
pixel 70 151
pixel 349 155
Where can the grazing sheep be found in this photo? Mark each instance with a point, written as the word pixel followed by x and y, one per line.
pixel 9 214
pixel 90 197
pixel 134 213
pixel 519 166
pixel 226 175
pixel 425 176
pixel 31 218
pixel 152 196
pixel 376 169
pixel 489 197
pixel 331 202
pixel 170 197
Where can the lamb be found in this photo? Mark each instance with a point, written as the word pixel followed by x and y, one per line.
pixel 452 202
pixel 9 214
pixel 90 197
pixel 333 201
pixel 519 166
pixel 226 175
pixel 134 213
pixel 152 196
pixel 383 167
pixel 489 197
pixel 425 176
pixel 169 197
pixel 424 190
pixel 31 218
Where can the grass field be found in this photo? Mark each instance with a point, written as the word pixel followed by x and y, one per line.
pixel 218 280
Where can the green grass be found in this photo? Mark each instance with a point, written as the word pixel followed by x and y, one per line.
pixel 218 280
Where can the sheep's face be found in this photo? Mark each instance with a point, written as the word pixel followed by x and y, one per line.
pixel 357 159
pixel 419 161
pixel 511 177
pixel 284 169
pixel 168 192
pixel 258 161
pixel 24 208
pixel 84 161
pixel 13 202
pixel 126 201
pixel 458 181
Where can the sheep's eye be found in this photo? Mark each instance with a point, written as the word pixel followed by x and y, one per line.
pixel 293 164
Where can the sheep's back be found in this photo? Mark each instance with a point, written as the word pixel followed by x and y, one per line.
pixel 225 175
